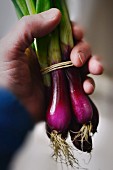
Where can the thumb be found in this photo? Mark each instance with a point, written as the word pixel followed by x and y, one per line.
pixel 30 27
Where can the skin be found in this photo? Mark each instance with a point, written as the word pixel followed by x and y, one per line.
pixel 16 73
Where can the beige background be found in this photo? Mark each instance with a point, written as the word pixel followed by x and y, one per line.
pixel 96 16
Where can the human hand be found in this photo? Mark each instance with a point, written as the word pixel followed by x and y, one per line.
pixel 81 57
pixel 15 72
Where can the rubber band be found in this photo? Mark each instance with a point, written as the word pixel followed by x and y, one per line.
pixel 57 66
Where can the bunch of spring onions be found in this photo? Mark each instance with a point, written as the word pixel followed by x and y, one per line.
pixel 69 109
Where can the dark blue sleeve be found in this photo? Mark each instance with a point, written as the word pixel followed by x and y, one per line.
pixel 15 122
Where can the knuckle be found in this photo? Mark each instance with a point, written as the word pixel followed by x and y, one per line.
pixel 25 30
pixel 86 48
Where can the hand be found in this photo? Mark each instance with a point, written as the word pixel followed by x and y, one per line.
pixel 15 70
pixel 15 73
pixel 81 57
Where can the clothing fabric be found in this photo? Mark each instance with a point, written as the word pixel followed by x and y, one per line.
pixel 15 123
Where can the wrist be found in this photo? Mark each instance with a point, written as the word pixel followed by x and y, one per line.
pixel 12 110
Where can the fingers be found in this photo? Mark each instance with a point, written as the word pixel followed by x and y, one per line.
pixel 80 53
pixel 81 56
pixel 89 85
pixel 30 27
pixel 78 32
pixel 95 66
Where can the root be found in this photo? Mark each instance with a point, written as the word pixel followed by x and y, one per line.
pixel 83 134
pixel 62 150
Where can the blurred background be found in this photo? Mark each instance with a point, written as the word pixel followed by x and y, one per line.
pixel 96 17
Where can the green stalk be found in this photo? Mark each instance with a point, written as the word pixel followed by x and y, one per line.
pixel 54 48
pixel 66 36
pixel 42 49
pixel 31 6
pixel 42 53
pixel 17 9
pixel 23 6
pixel 43 5
pixel 42 43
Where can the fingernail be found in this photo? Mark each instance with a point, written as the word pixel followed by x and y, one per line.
pixel 50 14
pixel 81 57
